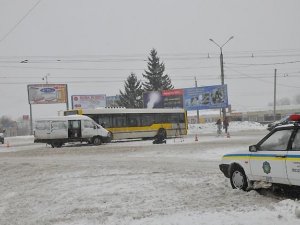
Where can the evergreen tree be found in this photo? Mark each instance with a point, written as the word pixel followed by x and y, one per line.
pixel 156 79
pixel 133 93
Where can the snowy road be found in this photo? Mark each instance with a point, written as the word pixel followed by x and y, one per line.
pixel 132 183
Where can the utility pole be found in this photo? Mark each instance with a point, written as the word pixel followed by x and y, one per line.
pixel 196 85
pixel 222 67
pixel 274 110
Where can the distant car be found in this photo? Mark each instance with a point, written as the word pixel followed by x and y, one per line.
pixel 272 162
pixel 2 138
pixel 284 120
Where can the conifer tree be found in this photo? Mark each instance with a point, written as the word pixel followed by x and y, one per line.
pixel 132 97
pixel 156 80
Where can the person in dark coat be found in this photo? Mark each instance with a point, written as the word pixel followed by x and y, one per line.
pixel 219 126
pixel 226 124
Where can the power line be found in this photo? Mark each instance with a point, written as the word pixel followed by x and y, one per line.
pixel 122 79
pixel 259 79
pixel 118 76
pixel 104 69
pixel 169 68
pixel 265 64
pixel 168 56
pixel 20 21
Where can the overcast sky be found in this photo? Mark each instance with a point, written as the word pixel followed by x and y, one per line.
pixel 94 45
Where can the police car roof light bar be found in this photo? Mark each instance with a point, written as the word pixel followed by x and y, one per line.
pixel 295 117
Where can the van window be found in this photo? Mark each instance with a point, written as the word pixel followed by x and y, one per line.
pixel 58 125
pixel 42 125
pixel 88 124
pixel 74 124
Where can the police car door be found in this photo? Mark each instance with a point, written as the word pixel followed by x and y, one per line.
pixel 293 160
pixel 268 163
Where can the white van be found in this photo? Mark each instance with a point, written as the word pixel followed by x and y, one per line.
pixel 59 130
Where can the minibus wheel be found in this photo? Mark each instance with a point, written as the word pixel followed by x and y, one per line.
pixel 56 144
pixel 97 141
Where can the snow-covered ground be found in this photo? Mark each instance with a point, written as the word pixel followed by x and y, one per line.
pixel 135 183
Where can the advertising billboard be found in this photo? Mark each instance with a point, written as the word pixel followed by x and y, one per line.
pixel 172 98
pixel 208 97
pixel 163 99
pixel 47 93
pixel 112 101
pixel 88 101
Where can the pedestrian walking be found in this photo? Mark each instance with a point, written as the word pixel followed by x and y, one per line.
pixel 219 126
pixel 226 124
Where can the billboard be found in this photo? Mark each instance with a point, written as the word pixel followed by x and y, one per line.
pixel 88 101
pixel 163 99
pixel 172 98
pixel 47 93
pixel 112 101
pixel 208 97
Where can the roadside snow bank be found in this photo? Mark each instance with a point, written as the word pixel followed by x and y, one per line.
pixel 18 140
pixel 233 127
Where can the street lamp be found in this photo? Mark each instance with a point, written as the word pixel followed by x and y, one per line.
pixel 222 66
pixel 46 78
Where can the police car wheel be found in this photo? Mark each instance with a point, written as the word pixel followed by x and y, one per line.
pixel 238 179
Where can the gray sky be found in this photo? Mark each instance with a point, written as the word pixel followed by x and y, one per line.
pixel 94 45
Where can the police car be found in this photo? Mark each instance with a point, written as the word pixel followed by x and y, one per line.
pixel 272 162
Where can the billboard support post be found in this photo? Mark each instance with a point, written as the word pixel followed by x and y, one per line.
pixel 196 85
pixel 30 112
pixel 31 124
pixel 67 97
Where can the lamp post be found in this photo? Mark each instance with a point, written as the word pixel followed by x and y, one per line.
pixel 46 78
pixel 222 66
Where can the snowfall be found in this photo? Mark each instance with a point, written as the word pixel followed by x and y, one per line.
pixel 135 182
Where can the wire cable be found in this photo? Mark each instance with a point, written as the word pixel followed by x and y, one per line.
pixel 20 21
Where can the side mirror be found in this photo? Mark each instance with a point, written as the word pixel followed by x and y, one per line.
pixel 253 148
pixel 95 127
